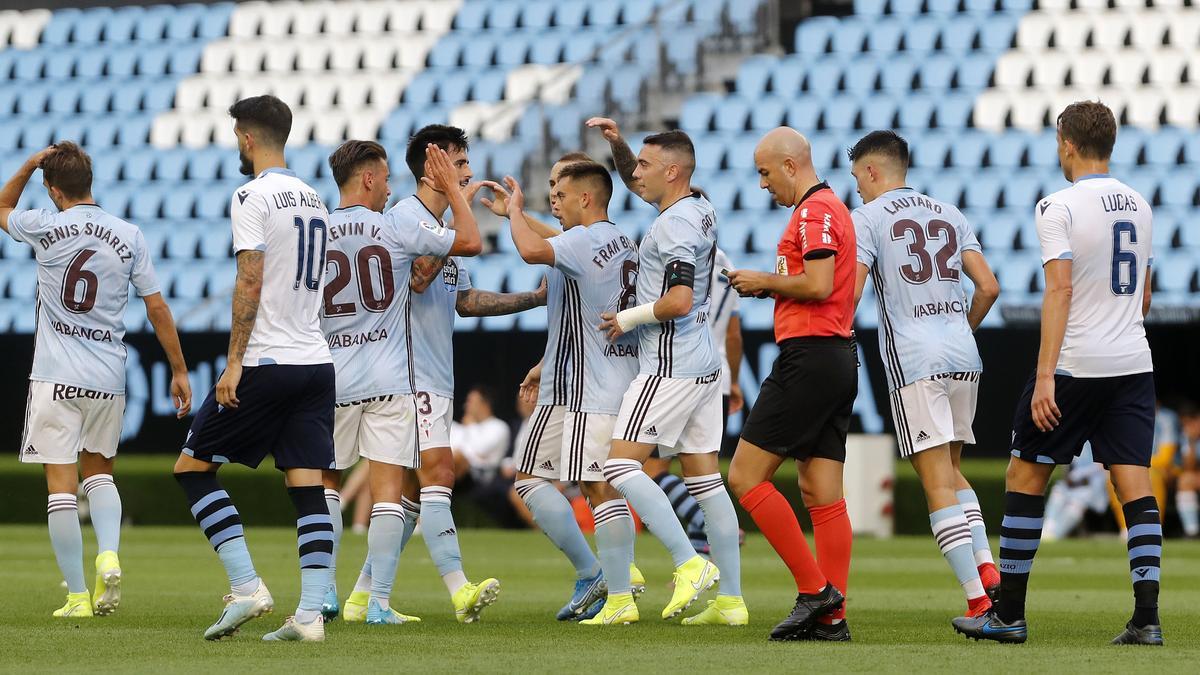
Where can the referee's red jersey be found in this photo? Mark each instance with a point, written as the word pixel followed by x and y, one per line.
pixel 821 222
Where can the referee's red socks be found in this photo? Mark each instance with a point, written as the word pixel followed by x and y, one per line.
pixel 777 521
pixel 833 537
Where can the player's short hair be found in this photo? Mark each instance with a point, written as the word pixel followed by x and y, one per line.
pixel 267 114
pixel 351 156
pixel 445 137
pixel 69 169
pixel 883 142
pixel 1187 409
pixel 675 140
pixel 1091 128
pixel 576 156
pixel 596 174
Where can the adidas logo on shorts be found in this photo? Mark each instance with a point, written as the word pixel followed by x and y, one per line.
pixel 30 450
pixel 447 532
pixel 922 436
pixel 651 431
pixel 546 466
pixel 595 467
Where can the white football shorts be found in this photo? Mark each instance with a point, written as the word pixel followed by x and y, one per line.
pixel 935 411
pixel 381 429
pixel 680 415
pixel 61 420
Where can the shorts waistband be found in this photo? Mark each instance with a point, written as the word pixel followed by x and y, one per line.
pixel 816 341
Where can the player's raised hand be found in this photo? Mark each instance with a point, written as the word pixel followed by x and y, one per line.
pixel 610 327
pixel 607 127
pixel 440 173
pixel 181 395
pixel 516 200
pixel 40 156
pixel 541 291
pixel 228 384
pixel 473 189
pixel 1046 414
pixel 499 202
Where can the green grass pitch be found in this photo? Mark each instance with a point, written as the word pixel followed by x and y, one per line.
pixel 902 598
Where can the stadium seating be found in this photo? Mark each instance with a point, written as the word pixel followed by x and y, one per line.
pixel 973 85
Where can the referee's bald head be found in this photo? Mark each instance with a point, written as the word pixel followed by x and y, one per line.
pixel 783 159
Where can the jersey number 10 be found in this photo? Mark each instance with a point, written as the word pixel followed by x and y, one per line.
pixel 308 265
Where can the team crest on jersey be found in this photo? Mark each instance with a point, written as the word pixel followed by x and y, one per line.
pixel 436 228
pixel 781 266
pixel 450 274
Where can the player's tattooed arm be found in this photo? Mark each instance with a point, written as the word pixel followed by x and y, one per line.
pixel 247 291
pixel 10 194
pixel 424 270
pixel 474 302
pixel 623 157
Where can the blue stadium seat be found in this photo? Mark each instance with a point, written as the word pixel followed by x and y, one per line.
pixel 627 86
pixel 547 49
pixel 813 34
pixel 732 114
pixel 60 65
pixel 787 77
pixel 754 74
pixel 63 99
pixel 722 192
pixel 581 48
pixel 697 112
pixel 204 164
pixel 37 134
pixel 213 202
pixel 603 14
pixel 998 35
pixel 767 113
pixel 860 77
pixel 840 113
pixel 884 36
pixel 1022 191
pixel 998 234
pixel 1006 150
pixel 958 34
pixel 954 111
pixel 28 65
pixel 145 204
pixel 134 131
pixel 479 51
pixel 514 50
pixel 880 113
pixel 119 25
pixel 937 72
pixel 153 61
pixel 1174 272
pixel 804 113
pixel 57 31
pixel 710 152
pixel 942 6
pixel 921 34
pixel 823 77
pixel 536 14
pixel 974 71
pixel 904 7
pixel 916 113
pixel 850 36
pixel 213 22
pixel 751 196
pixel 869 8
pixel 488 86
pixel 120 63
pixel 1165 146
pixel 90 26
pixel 982 191
pixel 179 205
pixel 1043 149
pixel 1129 145
pixel 1179 189
pixel 152 24
pixel 733 232
pixel 968 149
pixel 740 156
pixel 570 13
pixel 100 133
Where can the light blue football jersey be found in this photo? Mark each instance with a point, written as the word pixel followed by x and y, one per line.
pixel 87 260
pixel 365 314
pixel 686 231
pixel 432 312
pixel 913 245
pixel 556 361
pixel 599 266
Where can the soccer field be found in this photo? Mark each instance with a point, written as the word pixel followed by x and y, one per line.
pixel 901 601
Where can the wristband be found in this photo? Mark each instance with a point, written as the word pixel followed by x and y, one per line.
pixel 631 318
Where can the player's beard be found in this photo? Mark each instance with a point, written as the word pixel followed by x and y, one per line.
pixel 247 167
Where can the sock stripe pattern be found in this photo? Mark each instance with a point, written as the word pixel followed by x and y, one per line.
pixel 527 486
pixel 62 502
pixel 387 509
pixel 703 487
pixel 610 511
pixel 686 506
pixel 314 528
pixel 1020 534
pixel 619 471
pixel 410 507
pixel 333 496
pixel 218 518
pixel 951 532
pixel 971 509
pixel 436 494
pixel 98 481
pixel 1145 540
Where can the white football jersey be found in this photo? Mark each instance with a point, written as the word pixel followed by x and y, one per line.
pixel 724 305
pixel 1103 227
pixel 87 260
pixel 279 214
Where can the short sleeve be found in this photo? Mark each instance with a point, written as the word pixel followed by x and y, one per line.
pixel 864 237
pixel 1053 223
pixel 572 251
pixel 423 237
pixel 678 240
pixel 142 276
pixel 464 275
pixel 818 232
pixel 967 241
pixel 27 226
pixel 249 213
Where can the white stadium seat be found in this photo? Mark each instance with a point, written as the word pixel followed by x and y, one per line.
pixel 990 110
pixel 438 15
pixel 346 55
pixel 401 17
pixel 1034 31
pixel 275 20
pixel 314 57
pixel 217 57
pixel 1183 107
pixel 1144 108
pixel 1167 65
pixel 248 56
pixel 1088 73
pixel 1127 68
pixel 1012 70
pixel 338 18
pixel 1109 29
pixel 1050 69
pixel 246 19
pixel 1071 32
pixel 281 56
pixel 309 17
pixel 1149 26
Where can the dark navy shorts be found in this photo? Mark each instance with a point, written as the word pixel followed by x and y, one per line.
pixel 1115 414
pixel 284 411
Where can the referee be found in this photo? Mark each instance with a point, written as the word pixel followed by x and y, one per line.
pixel 803 410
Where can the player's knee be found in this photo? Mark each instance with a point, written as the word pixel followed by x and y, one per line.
pixel 739 483
pixel 598 492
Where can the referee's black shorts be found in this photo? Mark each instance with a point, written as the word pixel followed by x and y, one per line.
pixel 803 409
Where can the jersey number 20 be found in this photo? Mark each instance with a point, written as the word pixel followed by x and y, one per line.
pixel 374 298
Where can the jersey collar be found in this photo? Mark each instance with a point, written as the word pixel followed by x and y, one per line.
pixel 352 206
pixel 1090 176
pixel 427 209
pixel 279 170
pixel 813 190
